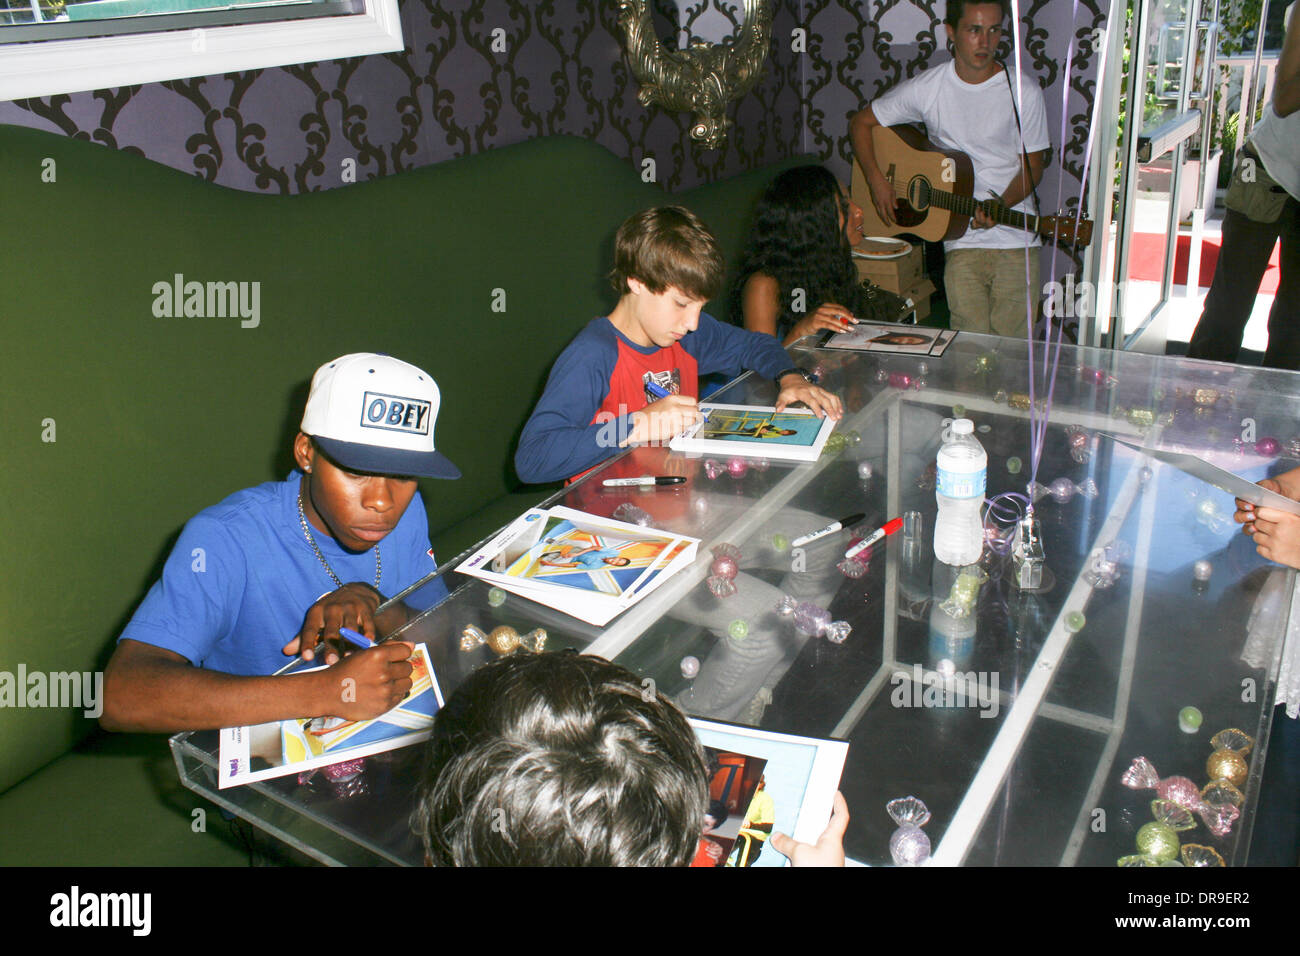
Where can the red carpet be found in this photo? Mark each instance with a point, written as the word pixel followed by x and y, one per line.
pixel 1147 261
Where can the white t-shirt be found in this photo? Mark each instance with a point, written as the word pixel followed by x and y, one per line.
pixel 978 120
pixel 1277 140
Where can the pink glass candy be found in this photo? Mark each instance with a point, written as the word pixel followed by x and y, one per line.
pixel 1079 443
pixel 900 380
pixel 737 467
pixel 723 570
pixel 712 468
pixel 1141 775
pixel 856 566
pixel 1267 447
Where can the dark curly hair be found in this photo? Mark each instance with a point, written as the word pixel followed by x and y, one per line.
pixel 561 759
pixel 798 239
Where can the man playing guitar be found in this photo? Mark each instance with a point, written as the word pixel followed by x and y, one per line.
pixel 967 105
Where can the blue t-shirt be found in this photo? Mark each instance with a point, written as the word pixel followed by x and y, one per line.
pixel 241 577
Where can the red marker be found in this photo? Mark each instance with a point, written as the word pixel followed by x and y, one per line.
pixel 889 528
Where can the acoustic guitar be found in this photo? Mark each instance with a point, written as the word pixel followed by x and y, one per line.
pixel 935 193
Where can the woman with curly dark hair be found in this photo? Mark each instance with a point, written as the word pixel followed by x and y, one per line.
pixel 797 275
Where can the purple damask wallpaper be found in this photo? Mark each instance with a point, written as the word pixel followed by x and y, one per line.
pixel 449 93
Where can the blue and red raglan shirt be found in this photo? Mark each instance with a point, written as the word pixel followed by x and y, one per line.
pixel 600 379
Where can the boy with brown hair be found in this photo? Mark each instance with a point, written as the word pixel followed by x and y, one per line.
pixel 633 377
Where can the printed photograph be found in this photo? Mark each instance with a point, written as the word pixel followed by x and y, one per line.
pixel 775 428
pixel 567 555
pixel 741 814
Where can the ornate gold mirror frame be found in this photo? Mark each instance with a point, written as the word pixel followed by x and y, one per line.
pixel 702 79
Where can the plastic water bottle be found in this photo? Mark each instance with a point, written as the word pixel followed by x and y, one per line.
pixel 961 473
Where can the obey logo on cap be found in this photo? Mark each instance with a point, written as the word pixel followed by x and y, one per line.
pixel 374 413
pixel 395 413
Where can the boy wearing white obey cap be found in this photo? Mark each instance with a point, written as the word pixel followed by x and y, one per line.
pixel 274 570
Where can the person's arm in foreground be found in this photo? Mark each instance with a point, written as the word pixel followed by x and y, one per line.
pixel 149 689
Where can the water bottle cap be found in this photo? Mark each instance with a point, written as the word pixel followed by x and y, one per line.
pixel 963 426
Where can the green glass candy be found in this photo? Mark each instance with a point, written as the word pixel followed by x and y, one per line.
pixel 1158 840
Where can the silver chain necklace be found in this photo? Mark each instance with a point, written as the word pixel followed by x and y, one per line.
pixel 311 540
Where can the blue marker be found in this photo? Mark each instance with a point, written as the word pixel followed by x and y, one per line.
pixel 358 639
pixel 658 391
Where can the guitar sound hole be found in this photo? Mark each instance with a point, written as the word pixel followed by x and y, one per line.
pixel 918 193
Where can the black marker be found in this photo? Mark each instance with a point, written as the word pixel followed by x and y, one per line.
pixel 643 481
pixel 829 529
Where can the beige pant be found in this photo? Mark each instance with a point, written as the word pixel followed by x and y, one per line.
pixel 987 291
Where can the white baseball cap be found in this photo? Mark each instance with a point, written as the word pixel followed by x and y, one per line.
pixel 372 412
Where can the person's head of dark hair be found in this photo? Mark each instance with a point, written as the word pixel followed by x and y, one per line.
pixel 952 15
pixel 797 237
pixel 560 760
pixel 667 246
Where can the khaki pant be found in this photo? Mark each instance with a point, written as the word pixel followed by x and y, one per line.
pixel 987 291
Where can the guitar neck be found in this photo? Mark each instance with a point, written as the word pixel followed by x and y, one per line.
pixel 966 206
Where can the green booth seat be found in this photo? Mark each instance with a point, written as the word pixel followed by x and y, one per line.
pixel 122 421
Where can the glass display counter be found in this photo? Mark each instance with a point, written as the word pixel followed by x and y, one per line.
pixel 1012 714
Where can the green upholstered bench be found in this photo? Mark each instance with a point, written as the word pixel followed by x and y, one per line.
pixel 121 423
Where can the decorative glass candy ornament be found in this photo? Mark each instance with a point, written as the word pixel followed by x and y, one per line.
pixel 1194 854
pixel 965 590
pixel 834 445
pixel 1097 376
pixel 1062 490
pixel 1079 442
pixel 503 640
pixel 712 468
pixel 633 515
pixel 1267 447
pixel 908 846
pixel 811 620
pixel 1228 762
pixel 1141 775
pixel 722 572
pixel 856 566
pixel 346 778
pixel 1103 564
pixel 1189 720
pixel 690 667
pixel 737 467
pixel 1157 840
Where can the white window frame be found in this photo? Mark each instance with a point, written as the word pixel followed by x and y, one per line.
pixel 47 67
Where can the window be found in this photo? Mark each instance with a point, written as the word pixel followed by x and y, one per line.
pixel 49 46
